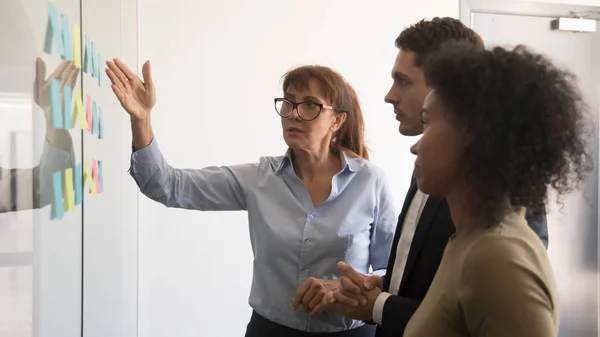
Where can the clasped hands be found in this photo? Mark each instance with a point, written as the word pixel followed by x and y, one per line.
pixel 353 295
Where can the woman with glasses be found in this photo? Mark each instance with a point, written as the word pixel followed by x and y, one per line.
pixel 320 203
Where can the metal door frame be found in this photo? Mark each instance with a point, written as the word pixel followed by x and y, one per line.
pixel 513 7
pixel 468 8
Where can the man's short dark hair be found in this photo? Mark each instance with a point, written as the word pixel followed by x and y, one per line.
pixel 426 37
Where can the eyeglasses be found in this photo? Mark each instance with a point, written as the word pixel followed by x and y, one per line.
pixel 307 110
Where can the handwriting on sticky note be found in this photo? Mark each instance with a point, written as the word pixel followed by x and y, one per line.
pixel 57 201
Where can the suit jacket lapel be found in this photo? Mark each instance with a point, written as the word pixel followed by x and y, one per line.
pixel 425 221
pixel 412 190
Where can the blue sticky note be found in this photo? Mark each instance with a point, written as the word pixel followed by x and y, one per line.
pixel 100 124
pixel 95 124
pixel 68 92
pixel 66 39
pixel 101 189
pixel 53 31
pixel 94 61
pixel 100 71
pixel 57 203
pixel 87 56
pixel 57 114
pixel 78 184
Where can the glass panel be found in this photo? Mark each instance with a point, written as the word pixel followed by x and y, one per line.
pixel 40 239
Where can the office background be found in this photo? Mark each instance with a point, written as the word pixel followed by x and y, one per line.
pixel 120 264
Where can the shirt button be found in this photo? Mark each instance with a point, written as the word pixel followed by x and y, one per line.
pixel 311 215
pixel 306 241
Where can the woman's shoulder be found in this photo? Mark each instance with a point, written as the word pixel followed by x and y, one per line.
pixel 273 163
pixel 509 243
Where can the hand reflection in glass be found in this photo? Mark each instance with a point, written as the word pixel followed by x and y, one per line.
pixel 31 188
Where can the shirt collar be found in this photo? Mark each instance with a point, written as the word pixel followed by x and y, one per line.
pixel 348 163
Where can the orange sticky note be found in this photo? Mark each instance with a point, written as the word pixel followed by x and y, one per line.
pixel 68 191
pixel 76 47
pixel 78 111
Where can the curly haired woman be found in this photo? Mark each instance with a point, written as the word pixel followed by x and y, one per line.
pixel 501 127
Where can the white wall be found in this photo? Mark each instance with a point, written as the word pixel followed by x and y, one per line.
pixel 217 67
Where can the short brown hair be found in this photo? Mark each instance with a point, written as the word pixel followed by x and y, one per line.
pixel 426 37
pixel 350 138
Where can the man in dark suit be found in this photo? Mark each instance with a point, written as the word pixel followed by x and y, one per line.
pixel 424 225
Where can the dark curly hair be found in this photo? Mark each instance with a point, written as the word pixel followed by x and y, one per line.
pixel 527 125
pixel 426 36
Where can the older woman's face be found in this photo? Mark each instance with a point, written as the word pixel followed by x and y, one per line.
pixel 439 151
pixel 315 134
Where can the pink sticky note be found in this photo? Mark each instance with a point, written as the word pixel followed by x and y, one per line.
pixel 88 112
pixel 95 179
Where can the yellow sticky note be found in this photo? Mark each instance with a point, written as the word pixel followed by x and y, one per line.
pixel 76 47
pixel 88 178
pixel 78 111
pixel 68 191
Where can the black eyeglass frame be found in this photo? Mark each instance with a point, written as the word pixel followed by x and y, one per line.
pixel 295 105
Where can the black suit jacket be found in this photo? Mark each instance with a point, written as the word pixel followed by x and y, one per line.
pixel 432 233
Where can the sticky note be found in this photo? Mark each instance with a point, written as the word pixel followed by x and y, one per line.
pixel 89 178
pixel 69 193
pixel 57 202
pixel 66 39
pixel 76 46
pixel 53 31
pixel 87 57
pixel 100 71
pixel 100 124
pixel 86 172
pixel 94 60
pixel 94 118
pixel 56 106
pixel 88 112
pixel 100 182
pixel 67 92
pixel 78 183
pixel 78 111
pixel 95 175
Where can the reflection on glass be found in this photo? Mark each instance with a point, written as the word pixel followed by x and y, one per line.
pixel 29 188
pixel 25 178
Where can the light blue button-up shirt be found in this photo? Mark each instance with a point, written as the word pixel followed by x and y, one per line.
pixel 291 239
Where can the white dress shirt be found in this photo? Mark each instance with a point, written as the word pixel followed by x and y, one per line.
pixel 408 232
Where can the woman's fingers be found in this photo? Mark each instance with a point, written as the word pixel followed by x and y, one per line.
pixel 130 75
pixel 118 77
pixel 147 74
pixel 72 79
